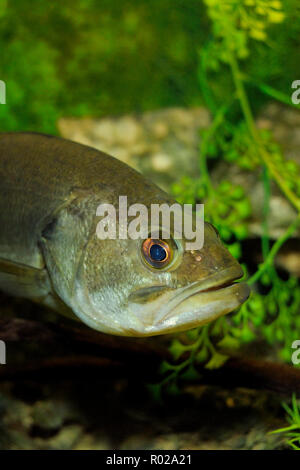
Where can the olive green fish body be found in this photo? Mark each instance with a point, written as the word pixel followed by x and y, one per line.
pixel 50 189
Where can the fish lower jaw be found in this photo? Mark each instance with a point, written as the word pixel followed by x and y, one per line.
pixel 203 307
pixel 197 310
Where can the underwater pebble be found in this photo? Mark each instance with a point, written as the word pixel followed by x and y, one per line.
pixel 254 436
pixel 104 130
pixel 259 446
pixel 127 131
pixel 66 439
pixel 161 162
pixel 48 414
pixel 92 442
pixel 136 441
pixel 160 129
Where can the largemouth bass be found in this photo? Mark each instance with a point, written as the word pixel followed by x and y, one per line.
pixel 50 189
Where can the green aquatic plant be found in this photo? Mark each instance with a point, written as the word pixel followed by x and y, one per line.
pixel 272 312
pixel 291 432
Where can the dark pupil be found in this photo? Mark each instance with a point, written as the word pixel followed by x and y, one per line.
pixel 157 253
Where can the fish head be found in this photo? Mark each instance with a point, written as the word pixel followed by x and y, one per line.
pixel 154 286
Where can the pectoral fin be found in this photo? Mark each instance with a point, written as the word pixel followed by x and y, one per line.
pixel 23 281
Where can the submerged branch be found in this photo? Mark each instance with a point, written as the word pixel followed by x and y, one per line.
pixel 93 354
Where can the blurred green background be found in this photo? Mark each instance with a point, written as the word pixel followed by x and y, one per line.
pixel 100 57
pixel 97 58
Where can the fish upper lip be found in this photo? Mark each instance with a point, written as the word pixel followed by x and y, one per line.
pixel 220 286
pixel 216 281
pixel 227 277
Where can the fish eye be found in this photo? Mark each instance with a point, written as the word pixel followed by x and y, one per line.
pixel 157 253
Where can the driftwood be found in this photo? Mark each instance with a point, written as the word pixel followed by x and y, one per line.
pixel 87 352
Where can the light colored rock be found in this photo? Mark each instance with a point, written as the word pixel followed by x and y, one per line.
pixel 160 129
pixel 289 261
pixel 284 122
pixel 181 117
pixel 281 213
pixel 188 137
pixel 202 117
pixel 140 148
pixel 104 130
pixel 161 162
pixel 167 140
pixel 90 442
pixel 78 130
pixel 66 439
pixel 127 131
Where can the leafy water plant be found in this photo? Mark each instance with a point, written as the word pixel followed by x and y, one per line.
pixel 291 432
pixel 234 136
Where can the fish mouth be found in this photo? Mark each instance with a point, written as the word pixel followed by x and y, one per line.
pixel 204 301
pixel 220 286
pixel 216 282
pixel 194 305
pixel 203 307
pixel 223 279
pixel 215 287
